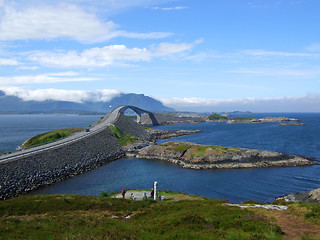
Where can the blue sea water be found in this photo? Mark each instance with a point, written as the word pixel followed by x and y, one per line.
pixel 236 185
pixel 15 129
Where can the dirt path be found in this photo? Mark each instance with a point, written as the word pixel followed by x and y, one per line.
pixel 294 227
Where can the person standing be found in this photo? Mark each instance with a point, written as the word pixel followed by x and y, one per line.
pixel 123 193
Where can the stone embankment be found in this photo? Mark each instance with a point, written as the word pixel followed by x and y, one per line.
pixel 41 169
pixel 38 170
pixel 195 156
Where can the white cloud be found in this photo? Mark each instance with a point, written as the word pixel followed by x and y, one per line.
pixel 102 95
pixel 264 53
pixel 28 68
pixel 107 55
pixel 308 103
pixel 169 8
pixel 61 21
pixel 152 35
pixel 8 62
pixel 46 22
pixel 44 79
pixel 278 72
pixel 94 57
pixel 164 49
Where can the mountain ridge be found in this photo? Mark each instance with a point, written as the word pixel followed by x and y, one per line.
pixel 15 104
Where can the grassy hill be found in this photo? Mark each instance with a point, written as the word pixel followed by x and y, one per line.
pixel 88 217
pixel 50 136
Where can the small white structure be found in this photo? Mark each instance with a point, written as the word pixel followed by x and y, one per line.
pixel 155 187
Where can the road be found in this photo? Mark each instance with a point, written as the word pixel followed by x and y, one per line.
pixel 102 125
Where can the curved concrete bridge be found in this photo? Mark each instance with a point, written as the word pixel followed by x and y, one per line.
pixel 138 111
pixel 26 170
pixel 108 119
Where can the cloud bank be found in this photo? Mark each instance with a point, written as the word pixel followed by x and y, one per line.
pixel 61 21
pixel 58 77
pixel 308 103
pixel 107 55
pixel 79 96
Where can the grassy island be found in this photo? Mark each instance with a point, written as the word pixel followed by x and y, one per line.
pixel 215 117
pixel 50 136
pixel 196 156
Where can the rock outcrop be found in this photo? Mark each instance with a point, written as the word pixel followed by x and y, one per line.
pixel 195 156
pixel 309 196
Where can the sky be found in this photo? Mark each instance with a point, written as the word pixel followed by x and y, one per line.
pixel 204 55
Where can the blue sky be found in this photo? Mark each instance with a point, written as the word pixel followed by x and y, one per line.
pixel 206 55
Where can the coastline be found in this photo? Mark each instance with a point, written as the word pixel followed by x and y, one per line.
pixel 33 173
pixel 196 156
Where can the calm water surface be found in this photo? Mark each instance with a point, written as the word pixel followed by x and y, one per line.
pixel 15 129
pixel 235 185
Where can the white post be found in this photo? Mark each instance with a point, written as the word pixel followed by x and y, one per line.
pixel 155 187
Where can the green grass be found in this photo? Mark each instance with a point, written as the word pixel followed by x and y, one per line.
pixel 243 118
pixel 87 217
pixel 50 136
pixel 178 147
pixel 217 117
pixel 200 151
pixel 313 213
pixel 123 138
pixel 197 150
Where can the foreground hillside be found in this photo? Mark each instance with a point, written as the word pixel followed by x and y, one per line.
pixel 87 217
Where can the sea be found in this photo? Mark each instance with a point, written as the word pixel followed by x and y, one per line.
pixel 235 185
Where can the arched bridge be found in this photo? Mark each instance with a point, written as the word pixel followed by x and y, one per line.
pixel 138 111
pixel 25 170
pixel 110 118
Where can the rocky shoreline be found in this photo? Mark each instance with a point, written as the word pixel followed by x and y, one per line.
pixel 280 120
pixel 195 156
pixel 44 168
pixel 308 196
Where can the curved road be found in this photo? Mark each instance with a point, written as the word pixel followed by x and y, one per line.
pixel 107 120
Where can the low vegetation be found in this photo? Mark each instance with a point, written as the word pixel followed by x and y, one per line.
pixel 50 136
pixel 176 146
pixel 200 151
pixel 87 217
pixel 215 116
pixel 243 118
pixel 122 137
pixel 197 150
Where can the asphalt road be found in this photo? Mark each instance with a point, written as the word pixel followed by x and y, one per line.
pixel 102 125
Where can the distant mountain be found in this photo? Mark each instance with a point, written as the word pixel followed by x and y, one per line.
pixel 15 104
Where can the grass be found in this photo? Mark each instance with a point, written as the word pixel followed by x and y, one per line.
pixel 123 138
pixel 243 118
pixel 197 150
pixel 176 146
pixel 50 136
pixel 217 117
pixel 313 213
pixel 87 217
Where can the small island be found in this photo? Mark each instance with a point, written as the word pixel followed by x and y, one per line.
pixel 282 120
pixel 195 156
